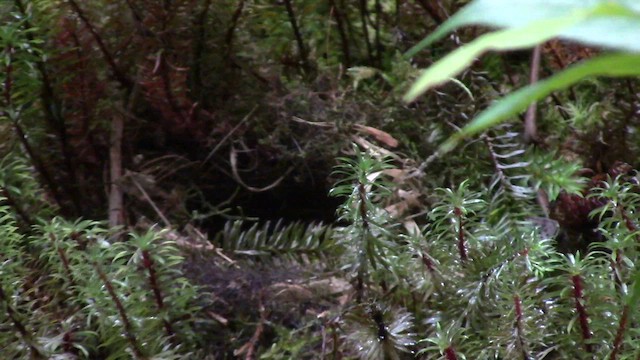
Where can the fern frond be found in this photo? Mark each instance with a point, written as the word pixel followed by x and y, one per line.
pixel 297 241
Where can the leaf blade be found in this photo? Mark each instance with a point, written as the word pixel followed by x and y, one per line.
pixel 510 39
pixel 613 65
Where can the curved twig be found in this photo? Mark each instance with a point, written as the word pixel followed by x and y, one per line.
pixel 233 157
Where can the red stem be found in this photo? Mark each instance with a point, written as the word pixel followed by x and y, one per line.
pixel 117 73
pixel 583 318
pixel 461 240
pixel 450 353
pixel 617 343
pixel 517 302
pixel 148 263
pixel 126 324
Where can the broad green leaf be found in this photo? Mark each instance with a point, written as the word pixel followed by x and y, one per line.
pixel 499 13
pixel 509 39
pixel 613 65
pixel 601 21
pixel 614 23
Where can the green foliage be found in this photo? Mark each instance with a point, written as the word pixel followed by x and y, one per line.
pixel 378 333
pixel 616 65
pixel 370 236
pixel 293 242
pixel 223 97
pixel 603 23
pixel 89 297
pixel 495 286
pixel 554 175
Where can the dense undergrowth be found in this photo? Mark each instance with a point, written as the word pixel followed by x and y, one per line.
pixel 269 194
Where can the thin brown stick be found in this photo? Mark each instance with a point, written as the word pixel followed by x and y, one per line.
pixel 530 127
pixel 116 196
pixel 126 323
pixel 116 209
pixel 198 49
pixel 14 204
pixel 150 265
pixel 296 32
pixel 115 69
pixel 20 327
pixel 151 202
pixel 22 136
pixel 344 40
pixel 233 159
pixel 364 14
pixel 378 24
pixel 234 23
pixel 432 11
pixel 249 348
pixel 54 120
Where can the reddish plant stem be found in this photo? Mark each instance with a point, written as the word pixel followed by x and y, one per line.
pixel 117 73
pixel 615 269
pixel 126 323
pixel 63 259
pixel 432 11
pixel 149 264
pixel 631 226
pixel 37 162
pixel 234 23
pixel 362 209
pixel 20 327
pixel 583 317
pixel 428 263
pixel 51 107
pixel 336 341
pixel 13 203
pixel 461 238
pixel 617 342
pixel 22 136
pixel 87 131
pixel 67 343
pixel 517 302
pixel 530 127
pixel 450 353
pixel 138 20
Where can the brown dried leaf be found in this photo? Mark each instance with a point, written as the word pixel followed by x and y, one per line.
pixel 382 136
